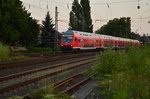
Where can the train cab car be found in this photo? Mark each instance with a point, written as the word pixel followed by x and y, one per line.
pixel 66 41
pixel 76 40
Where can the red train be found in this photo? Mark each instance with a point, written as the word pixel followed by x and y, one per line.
pixel 76 40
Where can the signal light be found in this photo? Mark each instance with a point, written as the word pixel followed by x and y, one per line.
pixel 138 7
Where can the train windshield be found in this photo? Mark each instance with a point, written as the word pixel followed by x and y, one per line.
pixel 67 39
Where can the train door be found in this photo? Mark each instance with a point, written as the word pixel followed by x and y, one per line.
pixel 80 39
pixel 95 40
pixel 102 42
pixel 75 41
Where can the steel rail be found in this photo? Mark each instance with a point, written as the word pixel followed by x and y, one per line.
pixel 17 75
pixel 77 85
pixel 25 83
pixel 36 60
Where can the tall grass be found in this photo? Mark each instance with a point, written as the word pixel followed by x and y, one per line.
pixel 4 52
pixel 125 74
pixel 46 93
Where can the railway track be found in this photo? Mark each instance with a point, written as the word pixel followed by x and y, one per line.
pixel 72 83
pixel 19 80
pixel 25 65
pixel 37 60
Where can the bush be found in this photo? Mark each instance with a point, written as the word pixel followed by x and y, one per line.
pixel 40 50
pixel 4 52
pixel 44 49
pixel 39 94
pixel 125 74
pixel 47 93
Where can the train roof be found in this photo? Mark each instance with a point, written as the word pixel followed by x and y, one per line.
pixel 70 32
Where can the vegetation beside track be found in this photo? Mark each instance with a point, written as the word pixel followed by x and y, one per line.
pixel 124 74
pixel 43 93
pixel 43 50
pixel 4 52
pixel 46 93
pixel 10 54
pixel 7 55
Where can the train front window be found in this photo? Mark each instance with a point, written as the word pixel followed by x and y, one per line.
pixel 67 39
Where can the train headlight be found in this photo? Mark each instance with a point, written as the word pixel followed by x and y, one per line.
pixel 71 45
pixel 61 45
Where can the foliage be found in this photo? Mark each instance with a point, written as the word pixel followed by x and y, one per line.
pixel 118 27
pixel 15 97
pixel 134 36
pixel 76 16
pixel 4 52
pixel 80 18
pixel 44 50
pixel 40 50
pixel 86 13
pixel 56 49
pixel 40 93
pixel 16 25
pixel 30 38
pixel 47 93
pixel 48 32
pixel 18 57
pixel 125 74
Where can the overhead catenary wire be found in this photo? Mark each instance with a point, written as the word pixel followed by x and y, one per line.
pixel 115 2
pixel 43 12
pixel 41 6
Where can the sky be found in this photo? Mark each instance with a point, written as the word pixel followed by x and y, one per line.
pixel 101 12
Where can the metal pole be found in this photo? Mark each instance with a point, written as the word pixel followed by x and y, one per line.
pixel 56 26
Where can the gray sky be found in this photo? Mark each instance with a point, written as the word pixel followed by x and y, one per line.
pixel 101 11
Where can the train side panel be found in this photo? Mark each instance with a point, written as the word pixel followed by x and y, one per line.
pixel 83 40
pixel 76 43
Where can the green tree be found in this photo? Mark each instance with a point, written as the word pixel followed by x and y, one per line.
pixel 48 32
pixel 30 38
pixel 80 16
pixel 76 16
pixel 117 27
pixel 9 34
pixel 86 16
pixel 15 23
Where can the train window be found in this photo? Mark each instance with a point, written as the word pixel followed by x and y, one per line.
pixel 67 39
